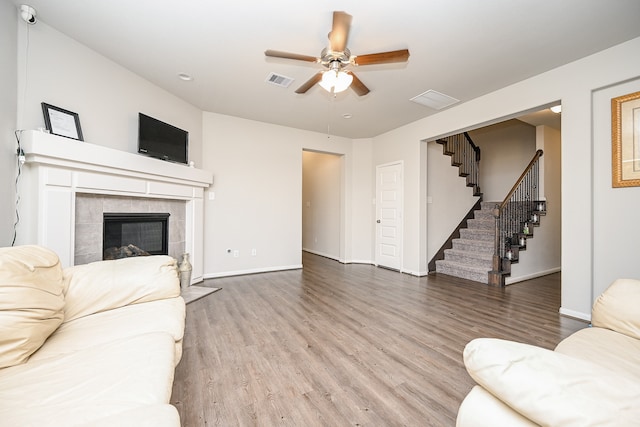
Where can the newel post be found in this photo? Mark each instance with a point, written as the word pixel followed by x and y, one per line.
pixel 496 278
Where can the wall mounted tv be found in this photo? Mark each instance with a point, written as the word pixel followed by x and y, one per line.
pixel 162 140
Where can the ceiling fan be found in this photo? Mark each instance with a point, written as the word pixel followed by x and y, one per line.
pixel 337 57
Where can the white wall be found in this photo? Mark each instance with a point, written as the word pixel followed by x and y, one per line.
pixel 8 117
pixel 405 144
pixel 106 96
pixel 363 209
pixel 258 194
pixel 448 198
pixel 543 250
pixel 616 211
pixel 506 150
pixel 573 84
pixel 321 203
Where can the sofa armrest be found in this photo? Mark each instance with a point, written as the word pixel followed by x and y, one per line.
pixel 105 285
pixel 617 308
pixel 550 388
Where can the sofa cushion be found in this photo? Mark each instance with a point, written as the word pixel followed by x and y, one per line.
pixel 481 409
pixel 551 388
pixel 607 348
pixel 31 301
pixel 90 384
pixel 104 285
pixel 617 308
pixel 143 416
pixel 165 315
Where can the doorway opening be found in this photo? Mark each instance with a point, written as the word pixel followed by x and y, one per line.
pixel 322 199
pixel 507 145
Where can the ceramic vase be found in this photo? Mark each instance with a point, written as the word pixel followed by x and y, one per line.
pixel 184 270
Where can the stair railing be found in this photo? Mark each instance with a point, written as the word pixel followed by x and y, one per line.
pixel 514 219
pixel 466 156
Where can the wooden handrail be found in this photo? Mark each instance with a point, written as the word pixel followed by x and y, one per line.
pixel 519 181
pixel 474 146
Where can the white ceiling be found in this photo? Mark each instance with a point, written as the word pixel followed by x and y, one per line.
pixel 463 48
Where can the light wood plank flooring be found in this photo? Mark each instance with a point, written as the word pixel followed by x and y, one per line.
pixel 340 345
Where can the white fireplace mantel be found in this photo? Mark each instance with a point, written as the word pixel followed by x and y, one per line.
pixel 58 168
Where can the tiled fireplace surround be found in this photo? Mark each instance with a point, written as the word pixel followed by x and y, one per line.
pixel 67 185
pixel 89 222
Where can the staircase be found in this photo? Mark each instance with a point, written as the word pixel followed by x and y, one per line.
pixel 491 241
pixel 465 155
pixel 472 254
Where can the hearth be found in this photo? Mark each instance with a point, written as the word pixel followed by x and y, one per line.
pixel 134 234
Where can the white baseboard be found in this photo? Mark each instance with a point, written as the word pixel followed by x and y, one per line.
pixel 343 261
pixel 358 261
pixel 575 314
pixel 251 271
pixel 324 255
pixel 415 273
pixel 512 280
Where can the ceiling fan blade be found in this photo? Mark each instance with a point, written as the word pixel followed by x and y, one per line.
pixel 287 55
pixel 382 57
pixel 340 31
pixel 310 83
pixel 358 87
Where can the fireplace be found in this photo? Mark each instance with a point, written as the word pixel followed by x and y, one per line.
pixel 134 234
pixel 67 185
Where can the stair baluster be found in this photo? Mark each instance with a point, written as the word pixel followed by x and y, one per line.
pixel 465 155
pixel 513 218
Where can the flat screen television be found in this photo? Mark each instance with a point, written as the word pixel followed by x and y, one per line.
pixel 162 140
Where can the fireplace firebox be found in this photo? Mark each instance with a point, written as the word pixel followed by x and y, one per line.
pixel 134 234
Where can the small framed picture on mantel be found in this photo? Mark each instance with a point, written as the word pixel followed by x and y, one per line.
pixel 62 122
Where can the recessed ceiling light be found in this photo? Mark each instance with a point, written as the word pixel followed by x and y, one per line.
pixel 184 76
pixel 347 116
pixel 556 108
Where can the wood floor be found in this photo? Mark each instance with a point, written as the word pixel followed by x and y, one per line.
pixel 340 345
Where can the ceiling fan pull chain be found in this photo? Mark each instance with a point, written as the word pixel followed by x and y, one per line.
pixel 329 116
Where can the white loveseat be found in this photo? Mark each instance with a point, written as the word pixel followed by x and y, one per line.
pixel 591 379
pixel 90 345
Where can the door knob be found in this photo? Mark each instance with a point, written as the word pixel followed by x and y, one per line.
pixel 378 221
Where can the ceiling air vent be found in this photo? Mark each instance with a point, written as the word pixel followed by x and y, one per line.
pixel 434 99
pixel 279 80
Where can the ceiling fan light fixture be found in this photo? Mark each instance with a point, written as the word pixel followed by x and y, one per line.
pixel 334 81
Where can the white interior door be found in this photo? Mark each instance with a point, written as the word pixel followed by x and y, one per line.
pixel 389 189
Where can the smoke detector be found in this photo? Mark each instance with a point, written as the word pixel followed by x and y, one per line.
pixel 28 14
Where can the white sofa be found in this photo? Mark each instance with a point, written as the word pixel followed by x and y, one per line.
pixel 591 379
pixel 90 345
